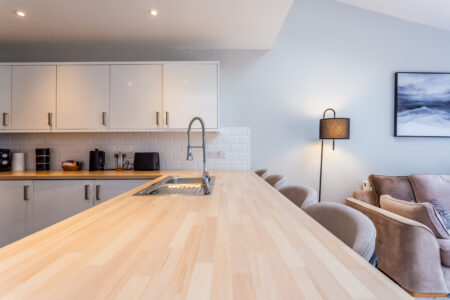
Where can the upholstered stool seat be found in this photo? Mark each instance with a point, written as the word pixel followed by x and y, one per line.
pixel 263 173
pixel 301 195
pixel 277 181
pixel 349 225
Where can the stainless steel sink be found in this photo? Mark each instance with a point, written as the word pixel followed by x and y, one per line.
pixel 178 186
pixel 185 180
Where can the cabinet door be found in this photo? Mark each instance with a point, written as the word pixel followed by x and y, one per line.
pixel 107 189
pixel 136 96
pixel 56 200
pixel 16 210
pixel 83 97
pixel 33 97
pixel 190 90
pixel 5 97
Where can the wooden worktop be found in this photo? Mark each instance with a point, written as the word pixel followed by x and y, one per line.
pixel 245 241
pixel 109 174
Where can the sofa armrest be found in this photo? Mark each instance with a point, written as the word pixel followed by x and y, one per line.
pixel 407 250
pixel 367 196
pixel 421 212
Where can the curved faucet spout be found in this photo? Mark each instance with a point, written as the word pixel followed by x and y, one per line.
pixel 189 156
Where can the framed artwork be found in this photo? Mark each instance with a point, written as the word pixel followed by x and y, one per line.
pixel 422 104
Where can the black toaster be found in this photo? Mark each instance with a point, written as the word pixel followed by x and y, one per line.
pixel 146 161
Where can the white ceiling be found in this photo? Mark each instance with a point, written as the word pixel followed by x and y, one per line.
pixel 181 24
pixel 434 13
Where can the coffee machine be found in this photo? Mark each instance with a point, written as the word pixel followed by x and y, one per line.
pixel 96 160
pixel 5 160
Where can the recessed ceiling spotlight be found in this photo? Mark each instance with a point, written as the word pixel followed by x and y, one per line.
pixel 20 13
pixel 153 12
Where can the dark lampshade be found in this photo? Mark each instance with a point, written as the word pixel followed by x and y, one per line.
pixel 334 128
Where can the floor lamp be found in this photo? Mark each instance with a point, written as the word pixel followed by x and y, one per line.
pixel 332 129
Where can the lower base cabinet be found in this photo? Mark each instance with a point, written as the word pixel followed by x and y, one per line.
pixel 16 210
pixel 29 206
pixel 107 189
pixel 56 200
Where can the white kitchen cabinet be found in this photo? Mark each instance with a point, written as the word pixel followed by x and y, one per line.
pixel 190 90
pixel 56 200
pixel 5 97
pixel 33 97
pixel 83 97
pixel 136 96
pixel 122 96
pixel 108 189
pixel 16 210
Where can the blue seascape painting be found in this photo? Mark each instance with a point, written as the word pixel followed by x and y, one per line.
pixel 422 104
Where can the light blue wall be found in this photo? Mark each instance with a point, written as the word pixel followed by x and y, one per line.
pixel 327 55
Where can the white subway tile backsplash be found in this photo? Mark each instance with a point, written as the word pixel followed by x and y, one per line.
pixel 146 139
pixel 172 165
pixel 214 138
pixel 221 165
pixel 230 139
pixel 244 157
pixel 240 131
pixel 223 148
pixel 244 140
pixel 229 148
pixel 233 156
pixel 189 165
pixel 225 131
pixel 238 149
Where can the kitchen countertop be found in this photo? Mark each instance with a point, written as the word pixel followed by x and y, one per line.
pixel 108 174
pixel 244 241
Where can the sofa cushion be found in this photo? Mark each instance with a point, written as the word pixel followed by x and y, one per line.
pixel 367 196
pixel 420 212
pixel 429 187
pixel 444 249
pixel 398 187
pixel 443 212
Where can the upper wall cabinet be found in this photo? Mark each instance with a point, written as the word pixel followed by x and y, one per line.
pixel 136 96
pixel 122 96
pixel 83 97
pixel 33 97
pixel 5 97
pixel 190 90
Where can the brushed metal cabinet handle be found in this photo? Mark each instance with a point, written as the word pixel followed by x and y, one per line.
pixel 86 192
pixel 97 192
pixel 5 116
pixel 157 118
pixel 50 119
pixel 104 118
pixel 25 192
pixel 167 118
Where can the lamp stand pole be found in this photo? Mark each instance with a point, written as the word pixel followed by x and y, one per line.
pixel 320 180
pixel 321 163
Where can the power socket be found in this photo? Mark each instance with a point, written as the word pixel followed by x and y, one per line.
pixel 216 154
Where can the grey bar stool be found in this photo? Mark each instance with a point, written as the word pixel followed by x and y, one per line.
pixel 277 181
pixel 349 225
pixel 263 173
pixel 301 195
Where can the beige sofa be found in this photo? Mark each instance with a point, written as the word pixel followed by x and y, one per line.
pixel 413 245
